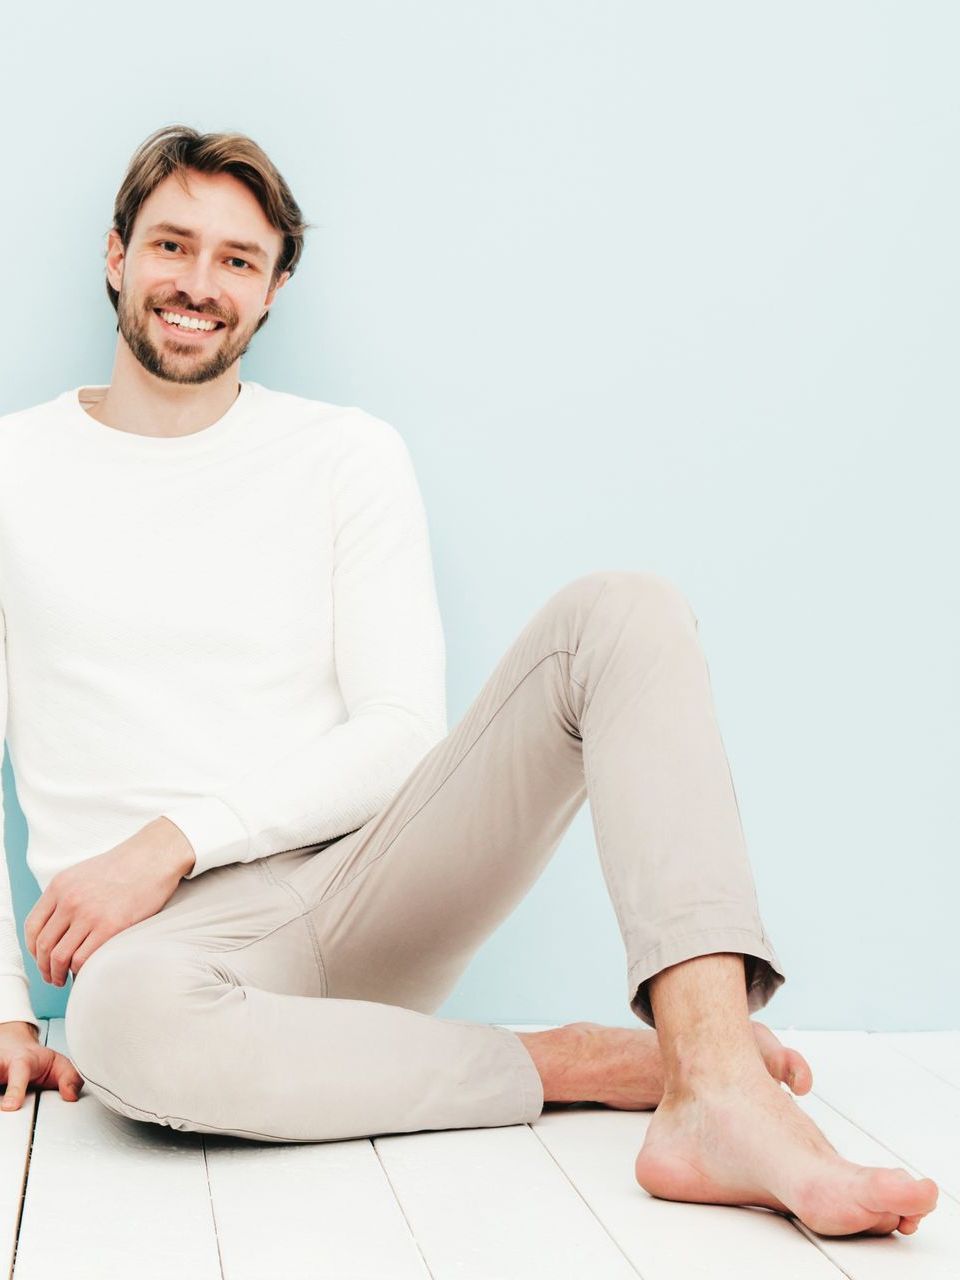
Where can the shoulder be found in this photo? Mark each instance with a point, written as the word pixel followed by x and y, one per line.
pixel 24 430
pixel 352 429
pixel 26 419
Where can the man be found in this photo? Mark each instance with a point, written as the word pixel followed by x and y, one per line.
pixel 262 856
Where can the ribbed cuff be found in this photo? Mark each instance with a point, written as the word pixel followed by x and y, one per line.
pixel 213 829
pixel 15 1000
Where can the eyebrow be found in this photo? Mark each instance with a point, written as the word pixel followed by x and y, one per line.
pixel 245 246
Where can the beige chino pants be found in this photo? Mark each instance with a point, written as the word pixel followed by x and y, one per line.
pixel 290 999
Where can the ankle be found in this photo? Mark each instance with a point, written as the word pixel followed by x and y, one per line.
pixel 692 1068
pixel 557 1057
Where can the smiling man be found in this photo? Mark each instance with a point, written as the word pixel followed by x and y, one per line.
pixel 262 855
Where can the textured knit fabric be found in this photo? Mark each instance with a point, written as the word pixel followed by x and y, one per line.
pixel 237 629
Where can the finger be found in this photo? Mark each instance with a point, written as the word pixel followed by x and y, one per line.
pixel 49 936
pixel 18 1077
pixel 43 909
pixel 69 1080
pixel 91 943
pixel 61 957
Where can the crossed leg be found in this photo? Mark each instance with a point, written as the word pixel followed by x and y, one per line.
pixel 295 1002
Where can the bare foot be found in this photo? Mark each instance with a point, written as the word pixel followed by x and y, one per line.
pixel 746 1141
pixel 622 1067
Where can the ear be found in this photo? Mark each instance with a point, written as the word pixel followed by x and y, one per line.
pixel 272 292
pixel 115 255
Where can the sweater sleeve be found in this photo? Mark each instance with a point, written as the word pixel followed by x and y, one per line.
pixel 14 986
pixel 390 664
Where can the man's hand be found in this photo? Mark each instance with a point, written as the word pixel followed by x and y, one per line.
pixel 86 904
pixel 24 1059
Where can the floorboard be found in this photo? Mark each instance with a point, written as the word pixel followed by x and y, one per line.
pixel 487 1203
pixel 308 1211
pixel 16 1135
pixel 937 1051
pixel 910 1111
pixel 596 1148
pixel 932 1253
pixel 95 1195
pixel 110 1198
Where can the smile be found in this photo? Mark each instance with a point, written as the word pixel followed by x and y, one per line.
pixel 176 321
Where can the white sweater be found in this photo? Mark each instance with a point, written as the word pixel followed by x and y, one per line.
pixel 237 629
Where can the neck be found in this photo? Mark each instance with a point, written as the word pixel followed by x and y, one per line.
pixel 140 402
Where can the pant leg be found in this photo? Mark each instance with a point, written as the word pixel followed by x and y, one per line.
pixel 604 692
pixel 209 1016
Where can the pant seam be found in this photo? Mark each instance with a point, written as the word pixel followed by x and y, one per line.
pixel 609 872
pixel 529 1098
pixel 540 661
pixel 156 1118
pixel 301 915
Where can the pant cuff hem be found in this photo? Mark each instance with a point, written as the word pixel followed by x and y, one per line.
pixel 530 1086
pixel 764 973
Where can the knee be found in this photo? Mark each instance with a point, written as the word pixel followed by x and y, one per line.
pixel 122 1021
pixel 658 598
pixel 99 997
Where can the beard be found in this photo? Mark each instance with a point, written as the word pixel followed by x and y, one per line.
pixel 186 363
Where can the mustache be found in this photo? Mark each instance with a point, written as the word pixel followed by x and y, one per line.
pixel 182 302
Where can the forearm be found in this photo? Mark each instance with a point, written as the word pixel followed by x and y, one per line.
pixel 315 793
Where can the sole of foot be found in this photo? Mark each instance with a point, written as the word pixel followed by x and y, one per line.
pixel 748 1143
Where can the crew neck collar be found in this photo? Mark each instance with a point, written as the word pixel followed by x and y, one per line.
pixel 159 446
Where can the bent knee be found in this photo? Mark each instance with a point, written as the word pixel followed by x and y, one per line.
pixel 659 597
pixel 124 1014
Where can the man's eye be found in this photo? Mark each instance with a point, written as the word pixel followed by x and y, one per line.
pixel 168 244
pixel 245 263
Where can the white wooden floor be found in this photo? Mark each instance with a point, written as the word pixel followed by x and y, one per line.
pixel 86 1193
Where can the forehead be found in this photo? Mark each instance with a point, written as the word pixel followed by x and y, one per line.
pixel 216 206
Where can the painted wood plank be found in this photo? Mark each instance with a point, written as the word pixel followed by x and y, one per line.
pixel 670 1240
pixel 491 1204
pixel 911 1112
pixel 16 1135
pixel 931 1253
pixel 316 1211
pixel 109 1198
pixel 937 1051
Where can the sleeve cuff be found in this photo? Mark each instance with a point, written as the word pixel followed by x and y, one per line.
pixel 15 1001
pixel 214 830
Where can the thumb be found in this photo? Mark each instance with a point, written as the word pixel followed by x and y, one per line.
pixel 69 1080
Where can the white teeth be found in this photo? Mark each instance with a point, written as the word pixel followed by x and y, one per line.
pixel 187 322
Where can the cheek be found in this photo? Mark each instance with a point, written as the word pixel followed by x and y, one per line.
pixel 142 286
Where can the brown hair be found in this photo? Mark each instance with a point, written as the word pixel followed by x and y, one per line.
pixel 176 148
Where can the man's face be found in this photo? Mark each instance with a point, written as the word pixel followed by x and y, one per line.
pixel 205 254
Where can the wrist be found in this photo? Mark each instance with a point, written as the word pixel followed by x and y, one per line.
pixel 176 849
pixel 26 1029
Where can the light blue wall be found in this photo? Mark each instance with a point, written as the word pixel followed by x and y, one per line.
pixel 643 286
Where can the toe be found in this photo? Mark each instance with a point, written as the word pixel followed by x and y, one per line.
pixel 885 1224
pixel 895 1191
pixel 784 1064
pixel 799 1076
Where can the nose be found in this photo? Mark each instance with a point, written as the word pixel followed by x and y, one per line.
pixel 196 280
